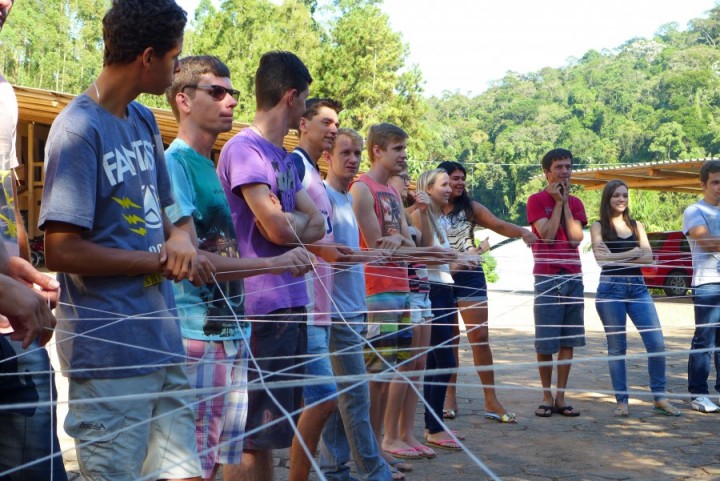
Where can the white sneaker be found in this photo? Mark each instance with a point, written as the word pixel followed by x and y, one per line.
pixel 703 404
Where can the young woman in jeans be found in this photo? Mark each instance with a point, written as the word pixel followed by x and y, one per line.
pixel 620 246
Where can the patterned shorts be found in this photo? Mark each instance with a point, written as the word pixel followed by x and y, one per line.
pixel 388 325
pixel 220 367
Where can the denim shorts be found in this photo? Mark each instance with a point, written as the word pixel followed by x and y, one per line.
pixel 126 439
pixel 420 307
pixel 319 385
pixel 470 285
pixel 559 313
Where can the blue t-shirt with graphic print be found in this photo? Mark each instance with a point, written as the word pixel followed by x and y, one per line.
pixel 107 175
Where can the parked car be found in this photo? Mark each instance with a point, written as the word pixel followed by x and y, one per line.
pixel 671 269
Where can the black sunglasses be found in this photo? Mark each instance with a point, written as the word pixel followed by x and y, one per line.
pixel 217 92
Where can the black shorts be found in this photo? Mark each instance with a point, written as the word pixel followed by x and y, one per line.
pixel 278 343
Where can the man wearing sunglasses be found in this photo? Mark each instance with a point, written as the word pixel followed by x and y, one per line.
pixel 212 318
pixel 272 213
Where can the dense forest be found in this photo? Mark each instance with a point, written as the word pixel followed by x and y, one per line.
pixel 648 99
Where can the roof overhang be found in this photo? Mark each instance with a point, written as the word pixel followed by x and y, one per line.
pixel 667 175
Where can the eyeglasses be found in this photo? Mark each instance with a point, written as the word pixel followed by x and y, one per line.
pixel 217 92
pixel 405 178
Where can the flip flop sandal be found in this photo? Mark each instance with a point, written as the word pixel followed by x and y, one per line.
pixel 449 413
pixel 509 418
pixel 410 453
pixel 566 411
pixel 458 435
pixel 547 411
pixel 447 444
pixel 666 409
pixel 425 451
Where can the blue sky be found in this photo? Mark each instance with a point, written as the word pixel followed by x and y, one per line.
pixel 465 44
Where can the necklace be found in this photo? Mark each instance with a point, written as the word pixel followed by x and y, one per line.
pixel 97 92
pixel 258 129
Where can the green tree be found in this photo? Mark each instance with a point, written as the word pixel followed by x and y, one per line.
pixel 364 65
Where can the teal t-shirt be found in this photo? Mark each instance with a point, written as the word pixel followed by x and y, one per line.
pixel 213 312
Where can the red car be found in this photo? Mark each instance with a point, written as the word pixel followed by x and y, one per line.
pixel 671 269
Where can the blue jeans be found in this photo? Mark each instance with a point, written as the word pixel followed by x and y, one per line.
pixel 30 433
pixel 617 298
pixel 707 319
pixel 441 355
pixel 348 429
pixel 318 342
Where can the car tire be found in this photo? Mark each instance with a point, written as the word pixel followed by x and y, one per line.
pixel 677 284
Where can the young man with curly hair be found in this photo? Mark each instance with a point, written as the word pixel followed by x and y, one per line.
pixel 114 250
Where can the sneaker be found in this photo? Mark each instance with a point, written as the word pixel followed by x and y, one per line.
pixel 703 404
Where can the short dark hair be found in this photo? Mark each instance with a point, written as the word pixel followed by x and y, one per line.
pixel 131 26
pixel 277 73
pixel 381 135
pixel 709 167
pixel 191 69
pixel 313 106
pixel 556 154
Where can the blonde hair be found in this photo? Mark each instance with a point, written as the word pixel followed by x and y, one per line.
pixel 426 180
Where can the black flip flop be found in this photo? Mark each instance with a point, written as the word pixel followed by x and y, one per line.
pixel 547 411
pixel 566 411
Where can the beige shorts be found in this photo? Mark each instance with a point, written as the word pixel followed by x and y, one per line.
pixel 119 437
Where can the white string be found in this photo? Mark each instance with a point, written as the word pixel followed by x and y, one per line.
pixel 477 369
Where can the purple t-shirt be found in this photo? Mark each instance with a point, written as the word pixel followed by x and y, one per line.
pixel 250 159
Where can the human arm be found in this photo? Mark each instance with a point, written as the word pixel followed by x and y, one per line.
pixel 22 237
pixel 421 220
pixel 283 228
pixel 27 311
pixel 703 239
pixel 485 218
pixel 364 209
pixel 335 254
pixel 296 261
pixel 548 227
pixel 179 259
pixel 316 225
pixel 66 250
pixel 695 227
pixel 602 253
